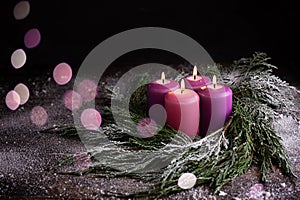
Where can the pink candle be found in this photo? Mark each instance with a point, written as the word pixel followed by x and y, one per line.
pixel 195 82
pixel 182 107
pixel 215 108
pixel 157 90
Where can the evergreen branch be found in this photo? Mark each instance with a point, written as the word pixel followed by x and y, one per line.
pixel 249 137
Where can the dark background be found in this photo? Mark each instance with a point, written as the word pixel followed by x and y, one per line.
pixel 228 31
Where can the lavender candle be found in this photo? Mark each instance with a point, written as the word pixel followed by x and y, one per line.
pixel 156 90
pixel 195 82
pixel 215 107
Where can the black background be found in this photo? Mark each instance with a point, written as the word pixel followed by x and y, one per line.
pixel 227 30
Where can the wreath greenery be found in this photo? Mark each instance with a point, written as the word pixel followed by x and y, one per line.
pixel 249 137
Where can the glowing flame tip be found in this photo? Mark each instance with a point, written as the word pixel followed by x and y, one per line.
pixel 195 71
pixel 163 77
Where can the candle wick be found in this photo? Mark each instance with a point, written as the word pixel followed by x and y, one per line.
pixel 194 77
pixel 182 91
pixel 163 81
pixel 215 85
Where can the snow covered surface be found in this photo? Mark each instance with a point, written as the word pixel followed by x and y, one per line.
pixel 26 155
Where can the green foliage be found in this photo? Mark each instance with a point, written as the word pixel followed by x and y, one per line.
pixel 259 97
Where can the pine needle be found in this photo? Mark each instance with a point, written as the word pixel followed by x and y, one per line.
pixel 259 98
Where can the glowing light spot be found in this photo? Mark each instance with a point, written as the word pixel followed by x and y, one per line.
pixel 23 92
pixel 21 10
pixel 158 113
pixel 62 73
pixel 87 89
pixel 256 191
pixel 18 58
pixel 187 181
pixel 91 119
pixel 12 100
pixel 32 38
pixel 147 127
pixel 72 100
pixel 38 116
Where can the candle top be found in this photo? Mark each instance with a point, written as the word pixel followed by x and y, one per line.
pixel 198 83
pixel 165 86
pixel 183 92
pixel 194 78
pixel 182 95
pixel 162 79
pixel 162 82
pixel 214 84
pixel 215 91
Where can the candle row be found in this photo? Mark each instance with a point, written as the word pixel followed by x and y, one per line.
pixel 196 107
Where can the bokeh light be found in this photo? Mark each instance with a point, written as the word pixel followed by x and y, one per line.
pixel 21 10
pixel 158 113
pixel 187 181
pixel 18 58
pixel 23 92
pixel 62 73
pixel 38 116
pixel 147 127
pixel 91 119
pixel 12 100
pixel 72 100
pixel 256 191
pixel 32 38
pixel 87 89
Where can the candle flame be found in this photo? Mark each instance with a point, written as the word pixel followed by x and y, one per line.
pixel 182 86
pixel 195 72
pixel 163 77
pixel 214 81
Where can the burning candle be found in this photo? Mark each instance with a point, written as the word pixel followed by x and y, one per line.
pixel 195 82
pixel 182 107
pixel 215 108
pixel 156 90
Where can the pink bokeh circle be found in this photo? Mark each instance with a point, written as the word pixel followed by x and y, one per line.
pixel 87 89
pixel 72 100
pixel 147 127
pixel 91 119
pixel 38 116
pixel 32 38
pixel 62 73
pixel 12 100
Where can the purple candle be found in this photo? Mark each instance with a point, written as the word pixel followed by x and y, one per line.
pixel 195 82
pixel 156 90
pixel 215 107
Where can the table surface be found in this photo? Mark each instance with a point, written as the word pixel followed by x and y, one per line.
pixel 26 155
